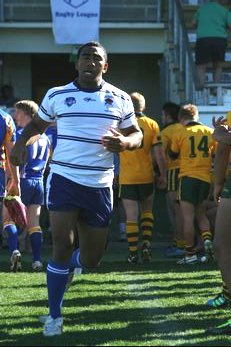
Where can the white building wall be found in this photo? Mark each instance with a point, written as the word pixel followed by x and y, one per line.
pixel 19 40
pixel 122 38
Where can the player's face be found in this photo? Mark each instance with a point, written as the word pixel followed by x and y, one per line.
pixel 21 118
pixel 91 65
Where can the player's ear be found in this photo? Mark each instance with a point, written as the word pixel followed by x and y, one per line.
pixel 105 68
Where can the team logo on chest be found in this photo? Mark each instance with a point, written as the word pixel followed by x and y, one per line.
pixel 108 102
pixel 70 101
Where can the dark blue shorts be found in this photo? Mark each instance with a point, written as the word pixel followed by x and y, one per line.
pixel 2 183
pixel 32 191
pixel 95 204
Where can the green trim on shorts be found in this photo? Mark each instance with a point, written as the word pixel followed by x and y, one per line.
pixel 193 190
pixel 173 180
pixel 136 191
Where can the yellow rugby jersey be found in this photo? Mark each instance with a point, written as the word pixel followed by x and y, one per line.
pixel 136 166
pixel 166 138
pixel 228 116
pixel 196 146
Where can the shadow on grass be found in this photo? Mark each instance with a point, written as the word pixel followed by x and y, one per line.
pixel 140 328
pixel 119 304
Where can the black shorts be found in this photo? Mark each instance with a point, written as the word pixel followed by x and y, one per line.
pixel 210 49
pixel 193 190
pixel 137 192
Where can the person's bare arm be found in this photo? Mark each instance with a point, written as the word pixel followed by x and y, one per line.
pixel 220 168
pixel 159 157
pixel 13 187
pixel 126 139
pixel 35 127
pixel 194 23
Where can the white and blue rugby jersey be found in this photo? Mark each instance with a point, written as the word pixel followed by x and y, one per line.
pixel 37 157
pixel 83 118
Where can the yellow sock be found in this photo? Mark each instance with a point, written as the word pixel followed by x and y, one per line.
pixel 146 223
pixel 190 251
pixel 206 235
pixel 180 243
pixel 132 231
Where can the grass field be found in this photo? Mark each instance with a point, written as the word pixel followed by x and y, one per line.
pixel 156 304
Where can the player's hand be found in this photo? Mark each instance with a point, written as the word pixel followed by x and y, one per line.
pixel 217 192
pixel 222 132
pixel 220 121
pixel 12 188
pixel 161 182
pixel 115 142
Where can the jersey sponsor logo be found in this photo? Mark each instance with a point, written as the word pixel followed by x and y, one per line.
pixel 70 101
pixel 89 99
pixel 76 3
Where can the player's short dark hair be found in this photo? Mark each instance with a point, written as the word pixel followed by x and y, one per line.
pixel 91 44
pixel 172 109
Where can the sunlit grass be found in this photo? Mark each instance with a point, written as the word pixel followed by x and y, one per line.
pixel 157 304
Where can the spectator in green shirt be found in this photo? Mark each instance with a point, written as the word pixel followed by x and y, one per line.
pixel 212 21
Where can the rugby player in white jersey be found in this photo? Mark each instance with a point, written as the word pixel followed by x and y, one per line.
pixel 94 119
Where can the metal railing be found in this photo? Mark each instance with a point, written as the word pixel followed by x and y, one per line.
pixel 144 11
pixel 179 64
pixel 194 2
pixel 180 67
pixel 212 93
